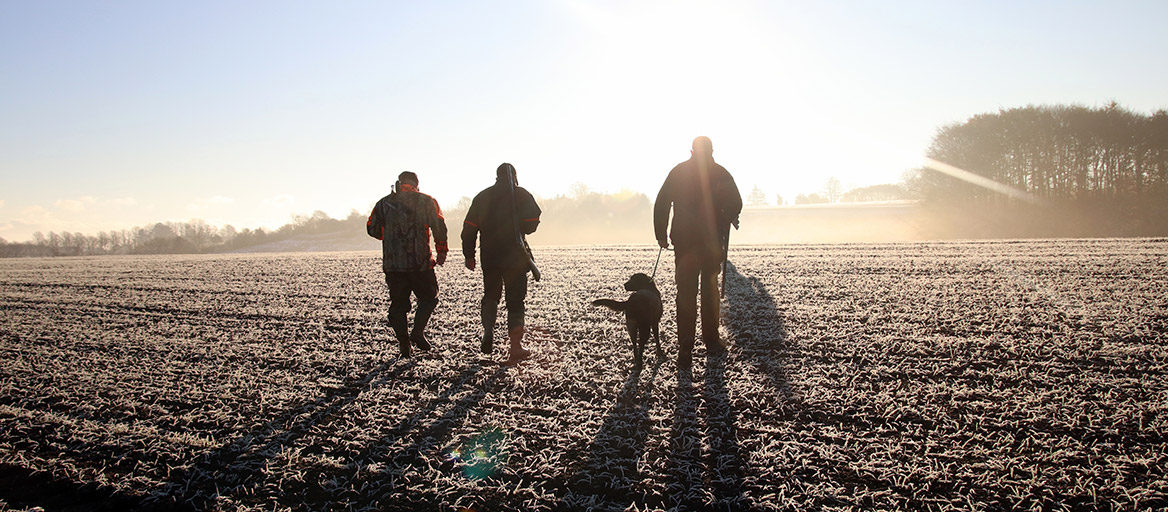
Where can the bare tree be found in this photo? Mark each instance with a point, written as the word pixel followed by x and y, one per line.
pixel 833 190
pixel 757 197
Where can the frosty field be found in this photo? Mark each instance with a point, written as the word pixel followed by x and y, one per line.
pixel 938 376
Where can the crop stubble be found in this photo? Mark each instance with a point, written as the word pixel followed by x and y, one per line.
pixel 946 375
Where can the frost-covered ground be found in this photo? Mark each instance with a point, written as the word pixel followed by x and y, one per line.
pixel 949 375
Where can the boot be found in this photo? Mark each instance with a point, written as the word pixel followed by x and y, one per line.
pixel 419 339
pixel 398 324
pixel 684 354
pixel 517 353
pixel 488 341
pixel 421 318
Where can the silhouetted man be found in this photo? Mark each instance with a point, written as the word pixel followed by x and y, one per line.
pixel 403 221
pixel 501 212
pixel 705 203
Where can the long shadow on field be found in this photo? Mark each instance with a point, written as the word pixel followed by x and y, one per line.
pixel 684 484
pixel 695 478
pixel 755 325
pixel 758 330
pixel 241 463
pixel 400 460
pixel 611 470
pixel 725 461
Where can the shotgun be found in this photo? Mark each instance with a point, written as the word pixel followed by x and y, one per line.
pixel 518 232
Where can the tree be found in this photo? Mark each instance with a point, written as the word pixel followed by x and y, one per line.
pixel 578 191
pixel 757 198
pixel 160 230
pixel 885 192
pixel 778 200
pixel 197 232
pixel 227 233
pixel 810 199
pixel 832 190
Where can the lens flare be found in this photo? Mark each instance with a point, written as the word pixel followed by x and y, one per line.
pixel 980 181
pixel 481 456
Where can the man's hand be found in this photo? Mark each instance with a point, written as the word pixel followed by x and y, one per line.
pixel 664 243
pixel 441 258
pixel 470 263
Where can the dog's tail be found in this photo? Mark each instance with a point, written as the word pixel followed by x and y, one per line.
pixel 615 305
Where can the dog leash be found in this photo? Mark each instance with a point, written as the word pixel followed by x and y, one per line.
pixel 654 276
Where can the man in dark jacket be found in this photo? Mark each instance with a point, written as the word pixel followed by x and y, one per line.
pixel 403 221
pixel 705 203
pixel 500 213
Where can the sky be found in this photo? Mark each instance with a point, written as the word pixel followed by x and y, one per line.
pixel 122 114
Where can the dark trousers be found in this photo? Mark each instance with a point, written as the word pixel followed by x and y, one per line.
pixel 424 285
pixel 696 270
pixel 494 281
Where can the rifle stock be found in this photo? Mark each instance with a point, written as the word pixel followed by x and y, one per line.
pixel 519 238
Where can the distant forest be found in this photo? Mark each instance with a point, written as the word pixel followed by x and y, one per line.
pixel 191 237
pixel 583 217
pixel 1094 172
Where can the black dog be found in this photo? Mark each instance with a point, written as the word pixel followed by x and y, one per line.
pixel 642 314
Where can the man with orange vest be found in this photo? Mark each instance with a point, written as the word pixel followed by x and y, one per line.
pixel 403 221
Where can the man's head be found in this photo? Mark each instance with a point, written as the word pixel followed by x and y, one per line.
pixel 505 169
pixel 702 146
pixel 408 178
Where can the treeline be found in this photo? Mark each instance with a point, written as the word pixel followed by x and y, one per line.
pixel 191 237
pixel 582 217
pixel 1109 164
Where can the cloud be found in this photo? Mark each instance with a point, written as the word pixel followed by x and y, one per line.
pixel 75 205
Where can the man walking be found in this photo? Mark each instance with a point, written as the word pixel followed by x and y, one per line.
pixel 403 221
pixel 705 202
pixel 503 213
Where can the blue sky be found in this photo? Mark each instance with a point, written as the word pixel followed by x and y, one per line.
pixel 116 114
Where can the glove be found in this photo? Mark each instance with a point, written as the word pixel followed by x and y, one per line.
pixel 441 258
pixel 470 263
pixel 663 243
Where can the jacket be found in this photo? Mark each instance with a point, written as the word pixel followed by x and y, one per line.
pixel 403 221
pixel 491 213
pixel 705 200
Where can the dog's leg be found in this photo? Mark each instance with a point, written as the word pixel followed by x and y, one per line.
pixel 632 327
pixel 657 339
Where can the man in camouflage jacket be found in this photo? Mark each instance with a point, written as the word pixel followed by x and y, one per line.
pixel 403 221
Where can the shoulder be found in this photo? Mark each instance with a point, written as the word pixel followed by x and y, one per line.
pixel 482 195
pixel 429 199
pixel 723 171
pixel 682 168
